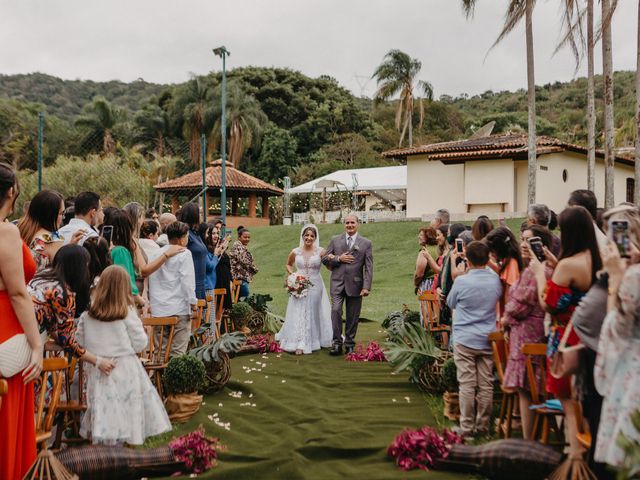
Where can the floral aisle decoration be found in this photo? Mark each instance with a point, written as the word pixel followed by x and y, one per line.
pixel 197 451
pixel 421 448
pixel 262 343
pixel 298 285
pixel 371 353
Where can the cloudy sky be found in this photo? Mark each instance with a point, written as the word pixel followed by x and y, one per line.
pixel 165 41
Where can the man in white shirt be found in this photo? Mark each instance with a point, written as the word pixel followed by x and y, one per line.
pixel 88 214
pixel 172 288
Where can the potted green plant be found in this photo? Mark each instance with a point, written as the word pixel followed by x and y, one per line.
pixel 183 378
pixel 450 396
pixel 215 357
pixel 240 314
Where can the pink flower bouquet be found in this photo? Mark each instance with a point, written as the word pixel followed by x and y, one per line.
pixel 421 448
pixel 372 353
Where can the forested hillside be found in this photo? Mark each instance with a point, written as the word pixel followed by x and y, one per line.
pixel 281 122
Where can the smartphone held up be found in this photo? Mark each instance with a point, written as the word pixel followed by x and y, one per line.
pixel 535 245
pixel 619 234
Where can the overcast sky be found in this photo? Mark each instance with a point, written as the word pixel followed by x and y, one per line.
pixel 164 41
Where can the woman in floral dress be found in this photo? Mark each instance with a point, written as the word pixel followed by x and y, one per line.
pixel 523 319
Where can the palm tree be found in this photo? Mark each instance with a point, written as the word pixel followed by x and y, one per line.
pixel 607 76
pixel 396 75
pixel 516 11
pixel 245 122
pixel 99 120
pixel 152 124
pixel 192 110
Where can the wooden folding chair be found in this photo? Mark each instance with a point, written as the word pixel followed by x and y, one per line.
pixel 46 405
pixel 218 308
pixel 500 350
pixel 430 309
pixel 4 389
pixel 235 290
pixel 46 465
pixel 73 405
pixel 544 419
pixel 199 315
pixel 156 355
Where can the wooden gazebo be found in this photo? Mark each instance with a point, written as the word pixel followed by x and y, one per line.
pixel 239 185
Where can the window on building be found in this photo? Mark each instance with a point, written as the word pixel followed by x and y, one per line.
pixel 631 186
pixel 565 174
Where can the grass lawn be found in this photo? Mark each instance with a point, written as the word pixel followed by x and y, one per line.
pixel 395 248
pixel 317 416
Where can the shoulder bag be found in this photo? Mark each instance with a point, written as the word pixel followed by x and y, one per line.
pixel 15 354
pixel 566 360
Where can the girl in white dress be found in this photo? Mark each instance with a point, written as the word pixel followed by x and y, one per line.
pixel 307 324
pixel 123 406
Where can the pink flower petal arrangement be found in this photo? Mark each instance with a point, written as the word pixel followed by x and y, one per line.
pixel 371 353
pixel 422 447
pixel 197 451
pixel 263 343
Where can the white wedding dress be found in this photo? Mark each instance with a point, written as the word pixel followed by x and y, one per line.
pixel 307 324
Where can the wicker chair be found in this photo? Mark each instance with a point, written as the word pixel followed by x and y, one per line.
pixel 156 355
pixel 509 399
pixel 430 309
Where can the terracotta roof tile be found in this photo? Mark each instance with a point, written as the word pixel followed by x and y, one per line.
pixel 236 180
pixel 502 145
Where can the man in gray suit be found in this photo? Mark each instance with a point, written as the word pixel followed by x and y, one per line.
pixel 349 256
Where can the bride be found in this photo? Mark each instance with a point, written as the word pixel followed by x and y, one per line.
pixel 307 324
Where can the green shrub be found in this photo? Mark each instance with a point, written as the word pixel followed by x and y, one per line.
pixel 241 313
pixel 449 376
pixel 184 374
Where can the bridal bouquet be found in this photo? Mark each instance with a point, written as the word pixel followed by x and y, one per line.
pixel 298 285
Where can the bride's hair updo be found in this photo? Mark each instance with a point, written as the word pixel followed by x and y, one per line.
pixel 304 232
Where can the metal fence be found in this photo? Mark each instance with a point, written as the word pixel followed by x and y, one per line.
pixel 96 161
pixel 337 216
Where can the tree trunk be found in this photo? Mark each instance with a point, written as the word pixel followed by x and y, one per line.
pixel 410 118
pixel 636 189
pixel 607 75
pixel 531 87
pixel 591 108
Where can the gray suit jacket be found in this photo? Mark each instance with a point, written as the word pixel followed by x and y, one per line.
pixel 350 278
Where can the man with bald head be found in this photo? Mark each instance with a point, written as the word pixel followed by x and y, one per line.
pixel 349 256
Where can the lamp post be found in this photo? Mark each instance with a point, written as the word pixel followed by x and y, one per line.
pixel 222 52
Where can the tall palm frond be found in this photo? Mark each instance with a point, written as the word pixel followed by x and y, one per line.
pixel 98 120
pixel 413 343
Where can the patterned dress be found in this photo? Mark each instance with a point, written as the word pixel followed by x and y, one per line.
pixel 37 247
pixel 617 370
pixel 525 320
pixel 55 313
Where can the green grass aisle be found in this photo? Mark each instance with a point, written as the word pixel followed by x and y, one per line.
pixel 317 416
pixel 313 416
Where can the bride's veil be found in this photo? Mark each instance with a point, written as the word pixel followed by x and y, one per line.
pixel 316 244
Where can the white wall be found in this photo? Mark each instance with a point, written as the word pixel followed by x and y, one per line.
pixel 432 185
pixel 488 184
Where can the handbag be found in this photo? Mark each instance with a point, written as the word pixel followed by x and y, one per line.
pixel 566 360
pixel 15 354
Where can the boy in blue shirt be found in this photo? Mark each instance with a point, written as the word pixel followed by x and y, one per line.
pixel 474 297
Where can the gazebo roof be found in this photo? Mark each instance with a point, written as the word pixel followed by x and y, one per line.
pixel 236 181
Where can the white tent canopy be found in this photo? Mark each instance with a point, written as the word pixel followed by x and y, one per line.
pixel 388 183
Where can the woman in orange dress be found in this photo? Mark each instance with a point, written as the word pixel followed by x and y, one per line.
pixel 508 261
pixel 17 429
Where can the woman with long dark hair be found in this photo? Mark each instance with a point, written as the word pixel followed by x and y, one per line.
pixel 508 260
pixel 17 267
pixel 426 265
pixel 99 257
pixel 60 294
pixel 39 227
pixel 190 214
pixel 572 277
pixel 126 252
pixel 223 269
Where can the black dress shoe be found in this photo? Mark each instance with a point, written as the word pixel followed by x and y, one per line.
pixel 348 349
pixel 336 350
